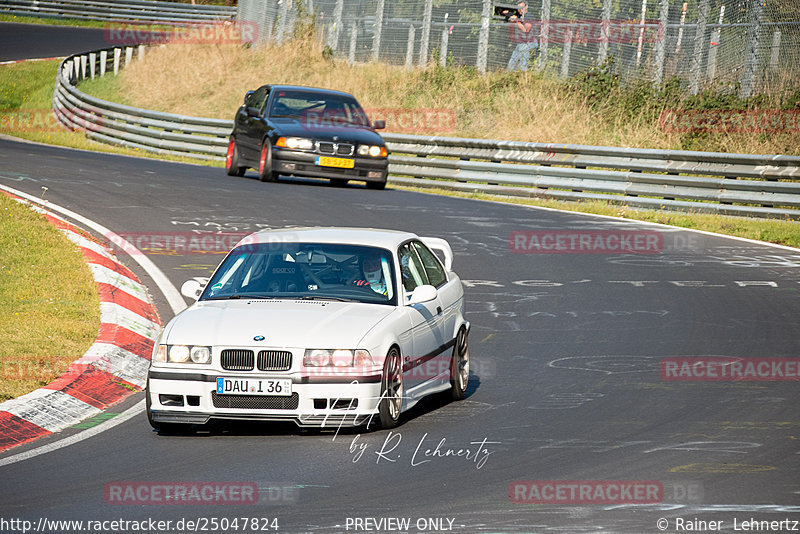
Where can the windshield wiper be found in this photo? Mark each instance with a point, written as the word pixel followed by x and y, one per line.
pixel 337 299
pixel 242 296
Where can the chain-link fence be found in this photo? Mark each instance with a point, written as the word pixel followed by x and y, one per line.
pixel 745 46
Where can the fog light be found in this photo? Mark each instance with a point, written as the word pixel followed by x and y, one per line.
pixel 375 174
pixel 288 166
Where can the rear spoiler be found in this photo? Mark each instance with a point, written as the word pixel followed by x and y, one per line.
pixel 437 243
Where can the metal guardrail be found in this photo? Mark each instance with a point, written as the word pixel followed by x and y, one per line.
pixel 729 184
pixel 118 10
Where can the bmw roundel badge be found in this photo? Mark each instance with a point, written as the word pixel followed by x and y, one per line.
pixel 258 338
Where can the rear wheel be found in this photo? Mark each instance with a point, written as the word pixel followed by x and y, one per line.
pixel 459 366
pixel 376 185
pixel 265 173
pixel 232 160
pixel 391 402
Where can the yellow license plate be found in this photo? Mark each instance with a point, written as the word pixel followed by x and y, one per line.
pixel 341 163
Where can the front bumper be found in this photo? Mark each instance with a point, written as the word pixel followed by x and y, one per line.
pixel 297 163
pixel 316 401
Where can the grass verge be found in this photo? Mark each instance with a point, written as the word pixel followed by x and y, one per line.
pixel 49 301
pixel 53 21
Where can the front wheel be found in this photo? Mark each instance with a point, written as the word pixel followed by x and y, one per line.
pixel 232 160
pixel 265 173
pixel 459 366
pixel 391 402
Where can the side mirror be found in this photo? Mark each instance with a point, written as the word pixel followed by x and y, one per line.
pixel 422 294
pixel 193 288
pixel 379 124
pixel 253 112
pixel 247 95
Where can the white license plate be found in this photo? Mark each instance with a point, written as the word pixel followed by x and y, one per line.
pixel 281 387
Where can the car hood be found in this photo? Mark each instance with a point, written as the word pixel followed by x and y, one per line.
pixel 283 323
pixel 353 134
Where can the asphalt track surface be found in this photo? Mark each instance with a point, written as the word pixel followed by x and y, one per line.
pixel 565 382
pixel 24 41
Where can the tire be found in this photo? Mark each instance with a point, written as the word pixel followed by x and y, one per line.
pixel 376 185
pixel 391 402
pixel 459 366
pixel 232 160
pixel 265 173
pixel 339 182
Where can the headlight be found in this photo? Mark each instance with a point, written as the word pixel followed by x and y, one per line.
pixel 295 143
pixel 183 354
pixel 336 358
pixel 200 355
pixel 178 353
pixel 372 150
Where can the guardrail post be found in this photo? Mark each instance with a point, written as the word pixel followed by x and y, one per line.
pixel 445 39
pixel 117 54
pixel 128 55
pixel 545 35
pixel 92 60
pixel 103 62
pixel 426 33
pixel 84 61
pixel 410 47
pixel 140 53
pixel 602 53
pixel 351 54
pixel 483 35
pixel 697 56
pixel 565 55
pixel 376 39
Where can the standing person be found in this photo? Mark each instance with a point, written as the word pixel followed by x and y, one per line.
pixel 521 32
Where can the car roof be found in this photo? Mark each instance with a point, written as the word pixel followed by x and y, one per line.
pixel 308 89
pixel 375 237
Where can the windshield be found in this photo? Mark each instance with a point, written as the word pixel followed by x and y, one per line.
pixel 318 109
pixel 312 271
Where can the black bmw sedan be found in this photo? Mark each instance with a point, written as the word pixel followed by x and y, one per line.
pixel 304 131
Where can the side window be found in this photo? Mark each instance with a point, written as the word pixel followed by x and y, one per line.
pixel 411 268
pixel 258 98
pixel 433 268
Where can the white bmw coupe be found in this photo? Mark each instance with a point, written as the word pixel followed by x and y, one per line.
pixel 325 327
